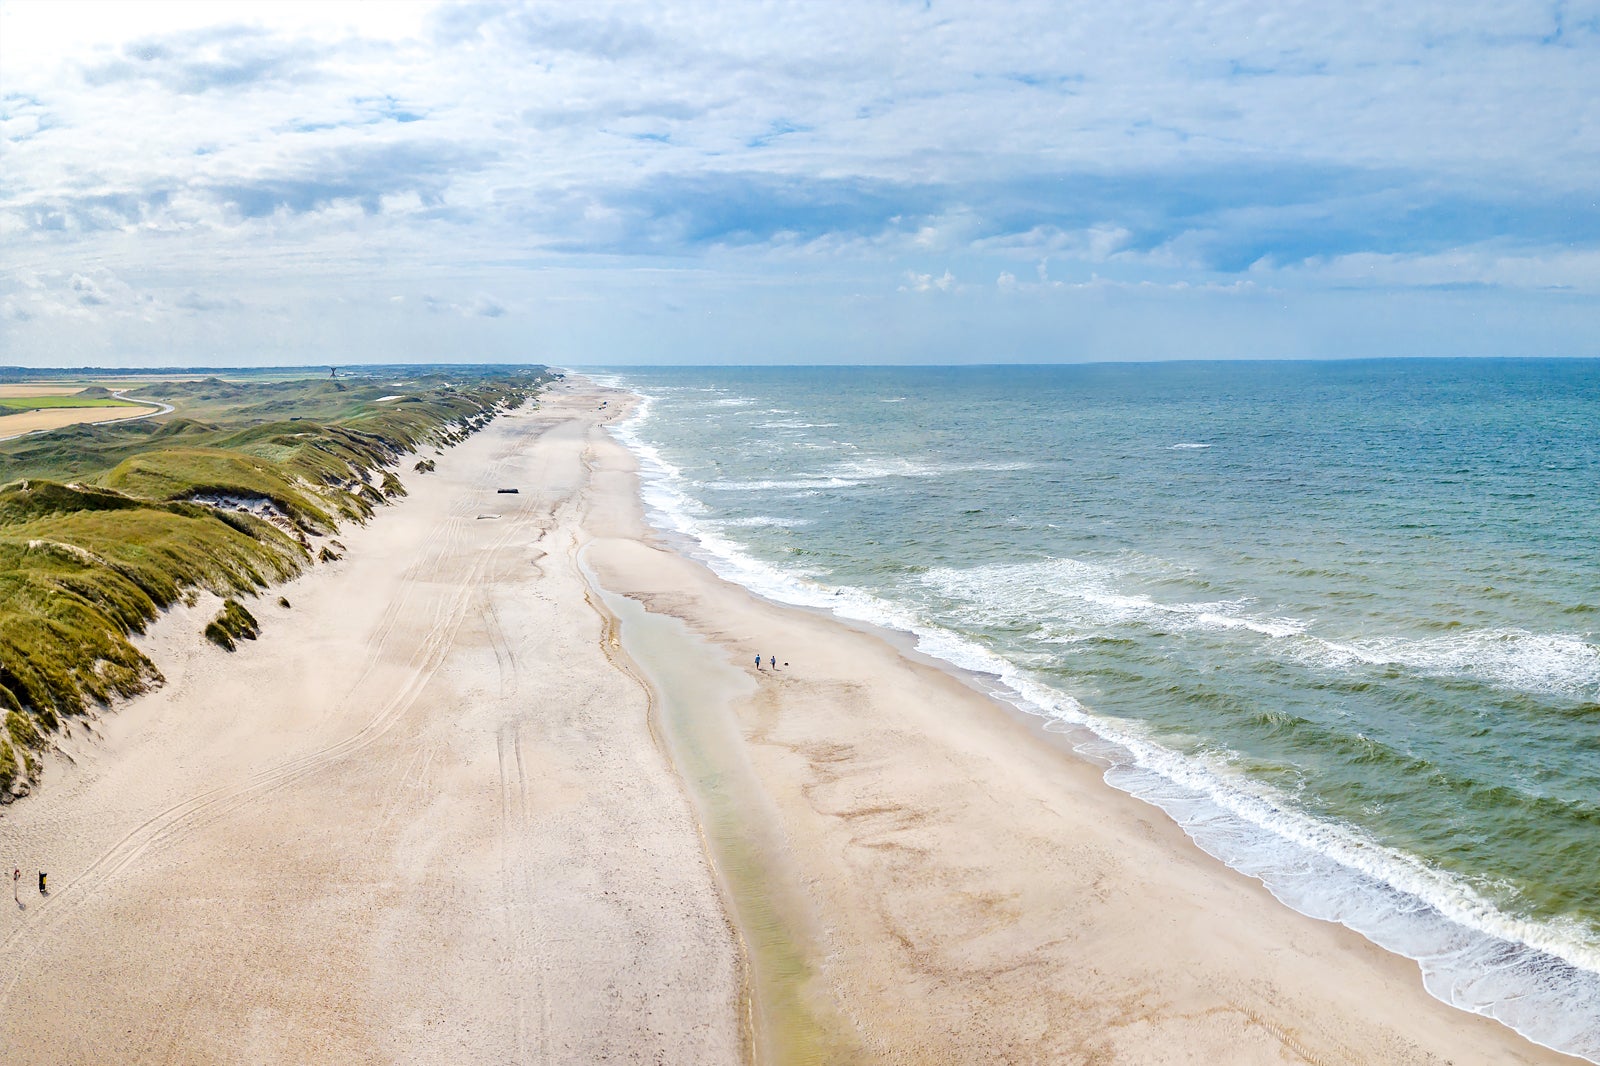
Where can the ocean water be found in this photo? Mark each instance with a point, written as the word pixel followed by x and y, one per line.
pixel 1337 619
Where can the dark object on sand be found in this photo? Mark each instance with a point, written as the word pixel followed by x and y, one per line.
pixel 513 492
pixel 44 889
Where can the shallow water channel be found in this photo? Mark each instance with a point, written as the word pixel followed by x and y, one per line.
pixel 692 692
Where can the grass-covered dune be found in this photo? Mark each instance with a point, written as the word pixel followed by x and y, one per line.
pixel 103 527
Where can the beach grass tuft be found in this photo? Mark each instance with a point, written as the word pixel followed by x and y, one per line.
pixel 232 624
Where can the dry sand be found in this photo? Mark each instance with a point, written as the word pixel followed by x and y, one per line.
pixel 430 817
pixel 421 819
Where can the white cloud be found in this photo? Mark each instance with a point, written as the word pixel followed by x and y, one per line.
pixel 1574 270
pixel 215 160
pixel 914 282
pixel 86 292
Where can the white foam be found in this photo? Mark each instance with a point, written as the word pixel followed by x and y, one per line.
pixel 767 485
pixel 755 521
pixel 1189 446
pixel 869 468
pixel 794 423
pixel 1552 663
pixel 1083 597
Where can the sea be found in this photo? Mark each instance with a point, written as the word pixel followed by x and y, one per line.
pixel 1337 619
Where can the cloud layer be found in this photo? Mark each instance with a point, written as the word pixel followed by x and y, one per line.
pixel 892 182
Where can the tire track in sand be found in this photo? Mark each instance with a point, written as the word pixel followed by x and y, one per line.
pixel 181 819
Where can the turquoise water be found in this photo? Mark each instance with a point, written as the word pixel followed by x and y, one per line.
pixel 1338 619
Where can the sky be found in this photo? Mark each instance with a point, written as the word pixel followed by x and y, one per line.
pixel 635 183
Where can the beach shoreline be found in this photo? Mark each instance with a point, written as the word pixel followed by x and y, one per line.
pixel 1219 969
pixel 436 814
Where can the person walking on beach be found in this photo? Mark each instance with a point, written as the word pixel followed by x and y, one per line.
pixel 44 889
pixel 774 661
pixel 758 661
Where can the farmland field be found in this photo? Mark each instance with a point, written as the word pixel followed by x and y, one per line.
pixel 32 421
pixel 58 400
pixel 14 389
pixel 32 408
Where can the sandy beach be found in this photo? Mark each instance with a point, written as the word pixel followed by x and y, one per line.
pixel 505 785
pixel 421 819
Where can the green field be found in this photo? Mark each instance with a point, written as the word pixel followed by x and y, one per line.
pixel 104 526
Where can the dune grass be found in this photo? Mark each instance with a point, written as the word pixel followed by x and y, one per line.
pixel 106 526
pixel 231 625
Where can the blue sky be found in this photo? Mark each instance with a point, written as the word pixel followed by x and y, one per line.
pixel 598 183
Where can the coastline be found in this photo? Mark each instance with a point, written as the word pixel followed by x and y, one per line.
pixel 435 814
pixel 987 895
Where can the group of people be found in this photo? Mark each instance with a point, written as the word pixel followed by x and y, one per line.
pixel 16 883
pixel 772 659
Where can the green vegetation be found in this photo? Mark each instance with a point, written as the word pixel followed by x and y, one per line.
pixel 232 625
pixel 103 527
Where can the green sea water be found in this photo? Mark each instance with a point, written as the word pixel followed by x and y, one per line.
pixel 1338 619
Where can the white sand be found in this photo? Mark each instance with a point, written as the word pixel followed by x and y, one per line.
pixel 421 820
